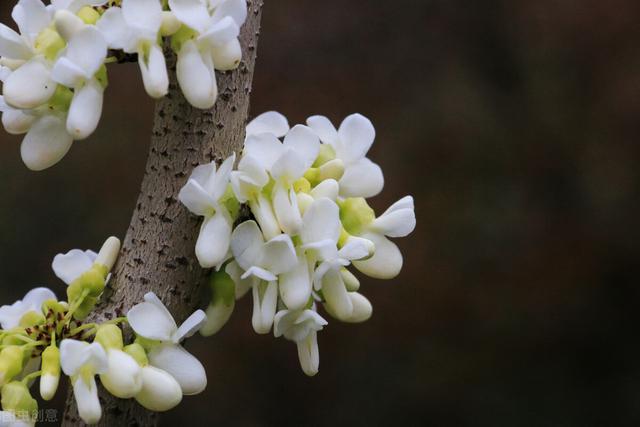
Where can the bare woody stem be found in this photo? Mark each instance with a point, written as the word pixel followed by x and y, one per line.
pixel 158 250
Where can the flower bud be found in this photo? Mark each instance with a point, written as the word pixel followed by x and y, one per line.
pixel 29 86
pixel 355 214
pixel 50 372
pixel 304 201
pixel 123 378
pixel 17 399
pixel 228 56
pixel 109 253
pixel 362 309
pixel 160 391
pixel 11 363
pixel 16 122
pixel 67 24
pixel 222 303
pixel 109 336
pixel 309 354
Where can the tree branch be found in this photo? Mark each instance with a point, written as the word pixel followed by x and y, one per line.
pixel 158 250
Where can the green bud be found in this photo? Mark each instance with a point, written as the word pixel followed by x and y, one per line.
pixel 92 281
pixel 327 153
pixel 51 360
pixel 11 363
pixel 16 398
pixel 49 43
pixel 110 337
pixel 84 309
pixel 136 351
pixel 355 214
pixel 302 186
pixel 89 15
pixel 230 202
pixel 223 300
pixel 31 318
pixel 183 35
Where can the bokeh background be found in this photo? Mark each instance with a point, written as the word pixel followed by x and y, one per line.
pixel 515 126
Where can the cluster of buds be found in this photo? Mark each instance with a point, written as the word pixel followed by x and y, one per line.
pixel 305 188
pixel 43 337
pixel 54 70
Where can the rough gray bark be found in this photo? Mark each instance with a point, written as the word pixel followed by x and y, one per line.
pixel 158 250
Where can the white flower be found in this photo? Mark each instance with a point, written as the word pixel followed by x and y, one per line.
pixel 30 84
pixel 351 142
pixel 265 261
pixel 201 195
pixel 397 221
pixel 286 162
pixel 134 28
pixel 84 55
pixel 302 328
pixel 82 362
pixel 216 45
pixel 152 320
pixel 10 315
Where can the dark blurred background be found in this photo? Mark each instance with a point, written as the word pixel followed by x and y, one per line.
pixel 515 126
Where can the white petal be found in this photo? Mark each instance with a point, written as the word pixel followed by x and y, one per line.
pixel 362 179
pixel 160 391
pixel 190 326
pixel 355 248
pixel 285 206
pixel 305 142
pixel 227 56
pixel 116 31
pixel 182 366
pixel 325 130
pixel 220 33
pixel 270 122
pixel 48 385
pixel 10 315
pixel 397 223
pixel 289 167
pixel 214 239
pixel 336 295
pixel 87 49
pixel 67 73
pixel 236 9
pixel 356 135
pixel 362 308
pixel 321 222
pixel 196 76
pixel 265 148
pixel 31 17
pixel 68 267
pixel 123 378
pixel 16 122
pixel 295 285
pixel 246 244
pixel 405 203
pixel 144 14
pixel 29 86
pixel 86 395
pixel 67 24
pixel 12 45
pixel 196 199
pixel 202 174
pixel 265 300
pixel 328 188
pixel 385 263
pixel 36 297
pixel 76 354
pixel 46 143
pixel 279 255
pixel 258 273
pixel 85 111
pixel 193 13
pixel 263 211
pixel 154 72
pixel 218 185
pixel 309 354
pixel 150 321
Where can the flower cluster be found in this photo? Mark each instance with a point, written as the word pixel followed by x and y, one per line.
pixel 54 69
pixel 42 337
pixel 306 190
